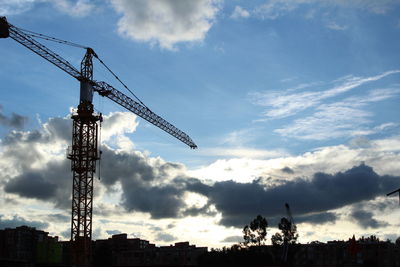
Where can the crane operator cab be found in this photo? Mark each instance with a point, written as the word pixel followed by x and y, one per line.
pixel 4 32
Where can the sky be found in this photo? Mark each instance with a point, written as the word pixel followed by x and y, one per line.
pixel 289 101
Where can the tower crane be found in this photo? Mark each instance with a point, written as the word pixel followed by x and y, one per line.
pixel 83 152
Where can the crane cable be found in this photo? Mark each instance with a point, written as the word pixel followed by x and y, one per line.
pixel 49 38
pixel 116 77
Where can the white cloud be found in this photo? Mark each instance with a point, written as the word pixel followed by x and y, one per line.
pixel 243 152
pixel 239 137
pixel 115 126
pixel 240 12
pixel 76 8
pixel 285 103
pixel 273 9
pixel 13 7
pixel 334 26
pixel 166 22
pixel 345 118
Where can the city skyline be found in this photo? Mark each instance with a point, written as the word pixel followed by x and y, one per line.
pixel 288 101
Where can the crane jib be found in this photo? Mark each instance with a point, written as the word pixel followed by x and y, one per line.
pixel 4 28
pixel 85 77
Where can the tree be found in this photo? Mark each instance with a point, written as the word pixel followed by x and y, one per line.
pixel 289 231
pixel 255 233
pixel 277 239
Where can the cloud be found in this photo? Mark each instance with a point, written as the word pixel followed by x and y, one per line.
pixel 140 183
pixel 50 183
pixel 240 12
pixel 366 219
pixel 40 169
pixel 76 8
pixel 334 26
pixel 14 121
pixel 165 237
pixel 287 170
pixel 273 9
pixel 113 232
pixel 250 153
pixel 317 218
pixel 13 7
pixel 166 22
pixel 327 114
pixel 58 217
pixel 285 103
pixel 233 239
pixel 348 117
pixel 323 192
pixel 17 221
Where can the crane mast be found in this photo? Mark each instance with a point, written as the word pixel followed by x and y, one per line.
pixel 83 151
pixel 83 155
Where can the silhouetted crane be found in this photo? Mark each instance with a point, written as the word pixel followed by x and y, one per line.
pixel 84 150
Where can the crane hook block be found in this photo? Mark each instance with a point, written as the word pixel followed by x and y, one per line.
pixel 4 28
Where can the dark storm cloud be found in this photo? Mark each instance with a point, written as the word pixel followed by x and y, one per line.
pixel 142 183
pixel 31 185
pixel 51 183
pixel 160 202
pixel 122 166
pixel 240 202
pixel 366 219
pixel 317 218
pixel 14 121
pixel 17 221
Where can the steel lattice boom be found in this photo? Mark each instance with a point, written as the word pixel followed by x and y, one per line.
pixel 43 51
pixel 104 89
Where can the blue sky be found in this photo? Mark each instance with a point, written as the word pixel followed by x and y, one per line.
pixel 258 85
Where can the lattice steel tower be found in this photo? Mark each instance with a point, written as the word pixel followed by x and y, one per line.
pixel 83 155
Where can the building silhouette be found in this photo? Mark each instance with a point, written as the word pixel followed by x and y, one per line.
pixel 28 247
